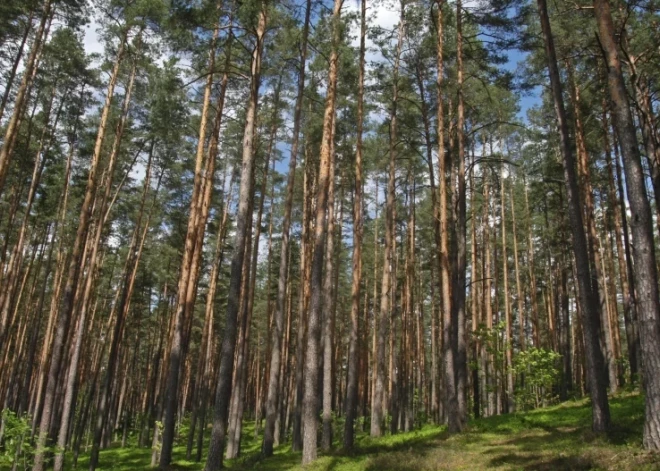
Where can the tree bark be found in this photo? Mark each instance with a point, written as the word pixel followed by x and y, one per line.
pixel 273 396
pixel 586 297
pixel 645 268
pixel 358 231
pixel 310 399
pixel 22 95
pixel 246 190
pixel 74 269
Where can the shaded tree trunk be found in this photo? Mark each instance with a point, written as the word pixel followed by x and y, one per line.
pixel 586 297
pixel 645 268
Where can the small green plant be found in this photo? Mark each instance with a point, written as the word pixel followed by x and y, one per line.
pixel 17 449
pixel 538 366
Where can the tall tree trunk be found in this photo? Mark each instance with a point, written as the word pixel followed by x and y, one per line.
pixel 310 399
pixel 519 290
pixel 617 206
pixel 598 283
pixel 532 272
pixel 309 186
pixel 22 95
pixel 358 230
pixel 186 275
pixel 449 375
pixel 328 307
pixel 508 354
pixel 459 421
pixel 15 63
pixel 233 447
pixel 93 265
pixel 273 395
pixel 226 370
pixel 645 268
pixel 386 298
pixel 587 299
pixel 74 269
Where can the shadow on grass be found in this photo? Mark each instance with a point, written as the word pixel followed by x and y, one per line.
pixel 541 463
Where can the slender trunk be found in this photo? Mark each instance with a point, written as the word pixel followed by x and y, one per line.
pixel 233 447
pixel 358 230
pixel 273 398
pixel 508 355
pixel 459 420
pixel 615 206
pixel 598 283
pixel 532 272
pixel 487 308
pixel 474 297
pixel 74 269
pixel 93 265
pixel 310 399
pixel 176 347
pixel 519 290
pixel 587 300
pixel 22 95
pixel 309 186
pixel 246 190
pixel 328 307
pixel 386 297
pixel 15 63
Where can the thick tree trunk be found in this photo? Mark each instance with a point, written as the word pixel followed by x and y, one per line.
pixel 645 268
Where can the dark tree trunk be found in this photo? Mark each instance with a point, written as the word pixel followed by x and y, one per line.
pixel 586 297
pixel 645 268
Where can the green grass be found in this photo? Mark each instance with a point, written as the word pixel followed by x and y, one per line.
pixel 554 438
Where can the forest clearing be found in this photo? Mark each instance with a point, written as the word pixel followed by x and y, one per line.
pixel 336 234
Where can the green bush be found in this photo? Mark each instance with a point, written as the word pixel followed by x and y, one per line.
pixel 538 368
pixel 16 448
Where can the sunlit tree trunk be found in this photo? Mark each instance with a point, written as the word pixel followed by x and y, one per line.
pixel 311 368
pixel 23 92
pixel 73 272
pixel 386 300
pixel 274 380
pixel 245 196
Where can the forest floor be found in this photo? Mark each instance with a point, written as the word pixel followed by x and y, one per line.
pixel 549 439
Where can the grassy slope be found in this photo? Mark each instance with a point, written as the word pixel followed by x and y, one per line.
pixel 555 438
